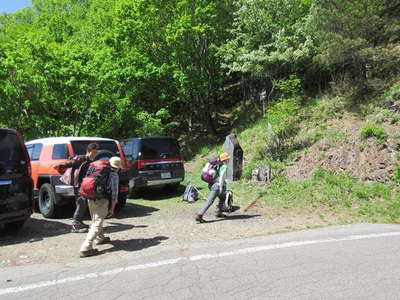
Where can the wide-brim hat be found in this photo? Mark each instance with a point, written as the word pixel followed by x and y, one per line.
pixel 224 156
pixel 115 162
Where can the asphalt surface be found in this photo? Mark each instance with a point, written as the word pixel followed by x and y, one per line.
pixel 342 262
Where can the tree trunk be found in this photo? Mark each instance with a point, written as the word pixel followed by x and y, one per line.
pixel 210 124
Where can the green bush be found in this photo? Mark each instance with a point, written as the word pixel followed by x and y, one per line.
pixel 374 130
pixel 396 173
pixel 283 115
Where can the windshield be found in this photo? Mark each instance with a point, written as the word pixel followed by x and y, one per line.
pixel 79 147
pixel 159 148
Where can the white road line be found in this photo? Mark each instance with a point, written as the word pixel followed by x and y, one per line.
pixel 43 284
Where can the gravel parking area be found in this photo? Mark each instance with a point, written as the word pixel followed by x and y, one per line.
pixel 140 226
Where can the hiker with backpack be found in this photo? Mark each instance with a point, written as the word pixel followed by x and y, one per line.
pixel 214 173
pixel 74 171
pixel 100 183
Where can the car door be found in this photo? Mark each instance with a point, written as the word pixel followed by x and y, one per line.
pixel 34 151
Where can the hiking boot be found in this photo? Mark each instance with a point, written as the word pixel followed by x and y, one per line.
pixel 235 208
pixel 199 218
pixel 105 240
pixel 79 229
pixel 219 214
pixel 88 253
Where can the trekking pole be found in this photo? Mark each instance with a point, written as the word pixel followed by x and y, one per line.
pixel 251 204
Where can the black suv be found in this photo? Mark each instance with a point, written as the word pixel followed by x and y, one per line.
pixel 16 201
pixel 154 161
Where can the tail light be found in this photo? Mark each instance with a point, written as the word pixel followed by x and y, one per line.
pixel 29 168
pixel 141 164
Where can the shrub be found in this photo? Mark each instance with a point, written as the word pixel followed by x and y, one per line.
pixel 396 174
pixel 374 130
pixel 282 116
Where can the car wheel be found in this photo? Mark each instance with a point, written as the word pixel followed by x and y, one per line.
pixel 14 227
pixel 121 201
pixel 47 198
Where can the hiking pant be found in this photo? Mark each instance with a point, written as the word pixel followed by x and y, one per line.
pixel 80 210
pixel 98 210
pixel 214 193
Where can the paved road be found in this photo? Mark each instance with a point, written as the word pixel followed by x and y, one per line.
pixel 342 262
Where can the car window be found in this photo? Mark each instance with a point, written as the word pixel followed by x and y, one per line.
pixel 10 147
pixel 159 148
pixel 34 151
pixel 30 148
pixel 79 147
pixel 37 151
pixel 127 147
pixel 60 151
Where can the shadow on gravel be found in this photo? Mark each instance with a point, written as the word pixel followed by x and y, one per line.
pixel 231 218
pixel 134 210
pixel 35 230
pixel 116 227
pixel 134 244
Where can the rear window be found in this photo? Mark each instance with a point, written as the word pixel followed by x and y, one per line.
pixel 128 147
pixel 10 147
pixel 159 148
pixel 79 147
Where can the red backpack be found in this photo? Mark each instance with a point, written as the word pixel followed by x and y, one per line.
pixel 95 183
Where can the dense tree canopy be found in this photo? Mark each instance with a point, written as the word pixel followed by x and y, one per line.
pixel 120 68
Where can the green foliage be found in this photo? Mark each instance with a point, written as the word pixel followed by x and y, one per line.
pixel 269 38
pixel 355 37
pixel 290 87
pixel 374 130
pixel 386 107
pixel 396 173
pixel 338 193
pixel 120 68
pixel 283 116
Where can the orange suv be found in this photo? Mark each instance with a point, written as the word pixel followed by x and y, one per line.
pixel 49 192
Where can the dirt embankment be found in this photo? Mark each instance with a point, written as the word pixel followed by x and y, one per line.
pixel 367 160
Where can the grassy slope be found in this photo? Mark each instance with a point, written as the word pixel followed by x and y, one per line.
pixel 324 193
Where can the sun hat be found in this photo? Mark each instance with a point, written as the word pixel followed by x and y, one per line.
pixel 224 156
pixel 115 162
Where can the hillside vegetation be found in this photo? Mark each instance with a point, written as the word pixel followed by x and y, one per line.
pixel 333 159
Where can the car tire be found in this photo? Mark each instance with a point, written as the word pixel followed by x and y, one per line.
pixel 121 201
pixel 47 197
pixel 14 227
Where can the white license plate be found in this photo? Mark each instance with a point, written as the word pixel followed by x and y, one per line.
pixel 166 175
